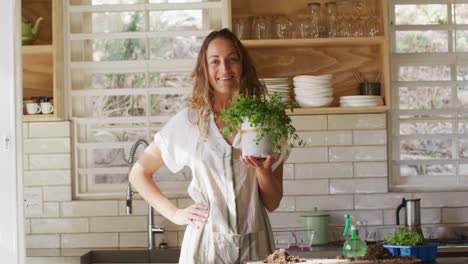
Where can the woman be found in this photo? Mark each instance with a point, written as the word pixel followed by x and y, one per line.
pixel 228 222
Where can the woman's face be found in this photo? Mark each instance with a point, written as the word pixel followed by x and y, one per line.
pixel 223 66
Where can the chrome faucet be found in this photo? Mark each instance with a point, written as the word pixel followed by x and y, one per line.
pixel 152 229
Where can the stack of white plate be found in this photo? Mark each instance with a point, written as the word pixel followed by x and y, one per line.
pixel 313 91
pixel 360 100
pixel 278 85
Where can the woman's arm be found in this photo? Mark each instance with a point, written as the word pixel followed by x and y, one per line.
pixel 141 179
pixel 270 183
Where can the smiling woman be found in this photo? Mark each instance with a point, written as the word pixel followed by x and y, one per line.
pixel 228 222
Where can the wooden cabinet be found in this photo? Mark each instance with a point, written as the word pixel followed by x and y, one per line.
pixel 339 56
pixel 43 61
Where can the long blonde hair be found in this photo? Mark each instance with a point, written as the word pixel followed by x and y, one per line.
pixel 202 100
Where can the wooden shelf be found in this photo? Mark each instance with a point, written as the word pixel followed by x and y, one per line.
pixel 37 49
pixel 40 118
pixel 277 43
pixel 338 110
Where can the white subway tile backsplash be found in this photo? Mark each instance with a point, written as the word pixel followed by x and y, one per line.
pixel 25 162
pixel 389 216
pixel 27 226
pixel 33 199
pixel 359 121
pixel 312 122
pixel 116 224
pixel 90 240
pixel 442 199
pixel 57 193
pixel 324 202
pixel 25 130
pixel 288 204
pixel 305 187
pixel 326 138
pixel 47 177
pixel 370 169
pixel 46 146
pixel 43 252
pixel 361 217
pixel 49 209
pixel 133 239
pixel 140 239
pixel 366 185
pixel 378 201
pixel 358 153
pixel 370 137
pixel 288 171
pixel 139 207
pixel 59 225
pixel 49 129
pixel 305 155
pixel 43 241
pixel 323 170
pixel 89 208
pixel 454 215
pixel 289 220
pixel 431 216
pixel 49 162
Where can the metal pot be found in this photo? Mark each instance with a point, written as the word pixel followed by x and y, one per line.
pixel 315 224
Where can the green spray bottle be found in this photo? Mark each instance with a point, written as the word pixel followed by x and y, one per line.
pixel 354 246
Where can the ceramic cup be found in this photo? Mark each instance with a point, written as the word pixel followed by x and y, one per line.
pixel 47 108
pixel 33 108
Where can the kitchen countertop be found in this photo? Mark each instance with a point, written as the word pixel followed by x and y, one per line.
pixel 447 254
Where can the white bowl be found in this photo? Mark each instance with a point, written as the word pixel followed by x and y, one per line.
pixel 313 94
pixel 313 91
pixel 314 102
pixel 314 77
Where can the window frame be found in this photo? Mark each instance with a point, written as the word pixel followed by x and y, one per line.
pixel 217 16
pixel 451 58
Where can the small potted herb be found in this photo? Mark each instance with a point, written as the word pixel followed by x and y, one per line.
pixel 405 242
pixel 262 123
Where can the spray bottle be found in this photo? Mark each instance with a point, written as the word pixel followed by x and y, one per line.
pixel 353 247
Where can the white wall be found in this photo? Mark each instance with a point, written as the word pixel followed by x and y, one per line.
pixel 11 219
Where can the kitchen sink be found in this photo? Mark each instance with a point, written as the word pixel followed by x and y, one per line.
pixel 170 255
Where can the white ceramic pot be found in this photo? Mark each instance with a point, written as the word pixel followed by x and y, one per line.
pixel 246 140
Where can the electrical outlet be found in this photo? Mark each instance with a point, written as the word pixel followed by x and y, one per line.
pixel 33 201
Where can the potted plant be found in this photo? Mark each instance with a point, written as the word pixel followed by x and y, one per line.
pixel 405 242
pixel 262 123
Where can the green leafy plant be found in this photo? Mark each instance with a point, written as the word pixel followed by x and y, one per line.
pixel 266 114
pixel 404 237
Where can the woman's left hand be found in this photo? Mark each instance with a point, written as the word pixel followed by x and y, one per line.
pixel 260 164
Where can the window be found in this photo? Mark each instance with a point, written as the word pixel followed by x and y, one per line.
pixel 129 65
pixel 429 117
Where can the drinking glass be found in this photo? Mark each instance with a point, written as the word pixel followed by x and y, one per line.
pixel 261 28
pixel 282 27
pixel 373 22
pixel 314 12
pixel 241 27
pixel 330 19
pixel 302 26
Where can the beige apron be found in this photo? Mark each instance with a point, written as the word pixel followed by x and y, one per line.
pixel 238 228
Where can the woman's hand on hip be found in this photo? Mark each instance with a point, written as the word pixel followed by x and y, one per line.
pixel 261 165
pixel 191 215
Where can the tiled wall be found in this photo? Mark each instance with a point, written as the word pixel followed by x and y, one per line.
pixel 342 169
